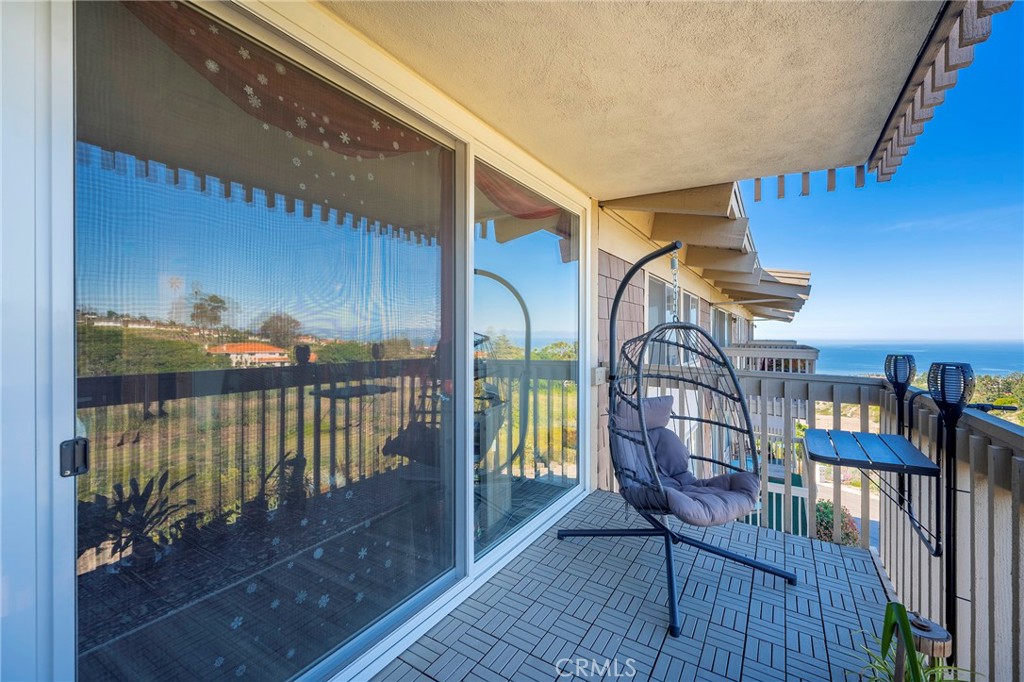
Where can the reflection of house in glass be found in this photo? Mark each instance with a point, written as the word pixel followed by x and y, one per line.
pixel 252 354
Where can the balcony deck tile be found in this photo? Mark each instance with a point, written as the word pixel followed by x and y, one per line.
pixel 603 601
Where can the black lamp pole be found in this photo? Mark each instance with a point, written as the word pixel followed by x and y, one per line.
pixel 951 385
pixel 900 370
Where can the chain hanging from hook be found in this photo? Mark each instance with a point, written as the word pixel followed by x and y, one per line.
pixel 675 286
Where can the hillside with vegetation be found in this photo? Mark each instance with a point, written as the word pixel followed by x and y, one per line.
pixel 1006 389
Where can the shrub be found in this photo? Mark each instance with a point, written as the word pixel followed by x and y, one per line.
pixel 824 514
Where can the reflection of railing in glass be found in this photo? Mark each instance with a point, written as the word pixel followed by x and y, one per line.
pixel 248 440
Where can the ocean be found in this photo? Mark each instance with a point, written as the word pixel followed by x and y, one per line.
pixel 868 357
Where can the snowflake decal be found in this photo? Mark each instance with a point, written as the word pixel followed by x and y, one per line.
pixel 291 653
pixel 291 564
pixel 302 185
pixel 174 5
pixel 301 122
pixel 376 124
pixel 321 129
pixel 326 145
pixel 326 119
pixel 298 162
pixel 240 670
pixel 288 134
pixel 248 89
pixel 301 596
pixel 250 588
pixel 322 602
pixel 214 30
pixel 280 69
pixel 362 553
pixel 387 564
pixel 318 552
pixel 275 542
pixel 255 103
pixel 236 623
pixel 395 144
pixel 381 155
pixel 274 604
pixel 352 177
pixel 369 176
pixel 244 53
pixel 261 79
pixel 212 66
pixel 266 126
pixel 359 597
pixel 218 662
pixel 359 158
pixel 351 577
pixel 309 152
pixel 345 138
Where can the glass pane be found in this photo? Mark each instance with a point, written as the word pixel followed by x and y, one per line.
pixel 264 271
pixel 526 313
pixel 657 297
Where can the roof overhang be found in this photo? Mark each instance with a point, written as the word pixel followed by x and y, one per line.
pixel 632 98
pixel 711 222
pixel 628 99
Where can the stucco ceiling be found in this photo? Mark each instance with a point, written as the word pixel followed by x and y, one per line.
pixel 628 98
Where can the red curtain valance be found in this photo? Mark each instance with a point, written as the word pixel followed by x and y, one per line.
pixel 278 93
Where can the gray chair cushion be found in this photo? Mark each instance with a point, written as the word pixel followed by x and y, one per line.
pixel 657 412
pixel 707 502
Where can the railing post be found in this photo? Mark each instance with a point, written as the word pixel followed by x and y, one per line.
pixel 837 474
pixel 788 519
pixel 812 472
pixel 865 486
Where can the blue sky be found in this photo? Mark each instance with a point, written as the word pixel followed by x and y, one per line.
pixel 937 253
pixel 141 247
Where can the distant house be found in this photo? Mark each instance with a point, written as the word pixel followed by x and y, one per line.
pixel 252 354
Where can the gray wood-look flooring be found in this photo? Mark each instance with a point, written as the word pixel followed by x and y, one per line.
pixel 596 609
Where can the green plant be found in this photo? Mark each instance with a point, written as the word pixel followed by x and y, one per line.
pixel 141 516
pixel 824 515
pixel 882 659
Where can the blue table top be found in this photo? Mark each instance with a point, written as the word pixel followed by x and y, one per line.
pixel 868 451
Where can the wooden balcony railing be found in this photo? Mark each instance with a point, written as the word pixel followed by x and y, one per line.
pixel 990 519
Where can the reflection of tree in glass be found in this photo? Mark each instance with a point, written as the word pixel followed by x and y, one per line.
pixel 280 329
pixel 207 309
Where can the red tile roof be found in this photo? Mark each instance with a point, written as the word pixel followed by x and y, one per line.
pixel 247 347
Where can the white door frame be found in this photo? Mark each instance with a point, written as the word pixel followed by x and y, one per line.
pixel 37 586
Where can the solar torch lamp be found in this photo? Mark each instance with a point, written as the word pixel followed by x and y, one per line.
pixel 950 385
pixel 900 370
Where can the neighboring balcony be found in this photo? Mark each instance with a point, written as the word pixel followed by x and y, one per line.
pixel 773 356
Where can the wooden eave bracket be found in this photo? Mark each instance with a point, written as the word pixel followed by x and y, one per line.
pixel 950 48
pixel 712 200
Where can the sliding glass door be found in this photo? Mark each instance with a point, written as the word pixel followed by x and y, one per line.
pixel 526 321
pixel 265 333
